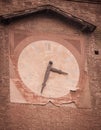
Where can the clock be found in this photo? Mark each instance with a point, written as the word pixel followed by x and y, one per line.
pixel 45 71
pixel 32 66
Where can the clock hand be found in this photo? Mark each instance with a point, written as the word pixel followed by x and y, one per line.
pixel 46 75
pixel 58 71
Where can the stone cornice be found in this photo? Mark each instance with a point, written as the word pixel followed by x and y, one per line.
pixel 83 25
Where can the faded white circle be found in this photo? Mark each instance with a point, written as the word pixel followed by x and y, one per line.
pixel 32 65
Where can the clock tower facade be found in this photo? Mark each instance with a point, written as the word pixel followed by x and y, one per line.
pixel 50 66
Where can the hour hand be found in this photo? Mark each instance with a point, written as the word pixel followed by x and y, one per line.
pixel 58 71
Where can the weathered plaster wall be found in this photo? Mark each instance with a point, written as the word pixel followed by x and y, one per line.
pixel 30 117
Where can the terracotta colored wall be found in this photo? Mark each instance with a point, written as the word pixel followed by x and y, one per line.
pixel 49 117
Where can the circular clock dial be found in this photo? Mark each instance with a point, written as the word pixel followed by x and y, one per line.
pixel 32 65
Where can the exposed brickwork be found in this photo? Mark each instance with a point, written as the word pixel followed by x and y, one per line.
pixel 4 77
pixel 30 117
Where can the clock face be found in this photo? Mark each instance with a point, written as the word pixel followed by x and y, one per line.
pixel 32 66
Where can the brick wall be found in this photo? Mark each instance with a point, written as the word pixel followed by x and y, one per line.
pixel 33 117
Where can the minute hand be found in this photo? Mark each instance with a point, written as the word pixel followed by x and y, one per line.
pixel 58 71
pixel 46 75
